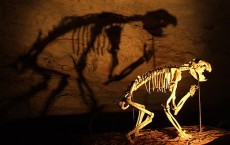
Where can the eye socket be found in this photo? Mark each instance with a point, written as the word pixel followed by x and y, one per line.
pixel 200 66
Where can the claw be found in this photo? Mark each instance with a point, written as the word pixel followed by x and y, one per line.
pixel 183 134
pixel 138 134
pixel 196 87
pixel 129 139
pixel 173 107
pixel 165 107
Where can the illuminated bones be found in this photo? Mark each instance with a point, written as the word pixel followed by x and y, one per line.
pixel 161 80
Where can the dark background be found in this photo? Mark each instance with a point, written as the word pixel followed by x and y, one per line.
pixel 64 64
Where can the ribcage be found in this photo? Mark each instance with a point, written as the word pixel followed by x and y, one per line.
pixel 99 39
pixel 84 38
pixel 156 80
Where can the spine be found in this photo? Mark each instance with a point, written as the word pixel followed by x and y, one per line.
pixel 141 80
pixel 156 80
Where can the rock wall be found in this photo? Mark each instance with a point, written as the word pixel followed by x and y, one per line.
pixel 70 57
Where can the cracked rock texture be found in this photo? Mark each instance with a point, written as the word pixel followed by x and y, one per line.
pixel 63 52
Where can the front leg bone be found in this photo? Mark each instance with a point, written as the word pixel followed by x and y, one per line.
pixel 184 99
pixel 171 99
pixel 182 133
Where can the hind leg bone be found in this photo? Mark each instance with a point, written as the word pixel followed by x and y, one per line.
pixel 139 124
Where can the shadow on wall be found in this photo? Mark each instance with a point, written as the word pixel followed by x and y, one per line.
pixel 90 27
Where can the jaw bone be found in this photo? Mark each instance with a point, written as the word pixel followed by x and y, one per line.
pixel 197 70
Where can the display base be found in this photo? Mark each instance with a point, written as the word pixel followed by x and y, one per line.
pixel 167 136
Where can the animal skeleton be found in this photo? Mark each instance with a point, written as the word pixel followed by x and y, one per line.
pixel 164 79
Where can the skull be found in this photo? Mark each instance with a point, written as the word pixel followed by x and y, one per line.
pixel 197 68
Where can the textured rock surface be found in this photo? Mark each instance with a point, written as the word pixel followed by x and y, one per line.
pixel 201 31
pixel 167 136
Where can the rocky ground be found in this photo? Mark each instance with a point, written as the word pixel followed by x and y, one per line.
pixel 166 136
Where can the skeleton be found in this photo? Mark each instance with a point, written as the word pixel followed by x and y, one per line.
pixel 164 79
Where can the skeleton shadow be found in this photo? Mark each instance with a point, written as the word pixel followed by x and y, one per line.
pixel 89 26
pixel 153 23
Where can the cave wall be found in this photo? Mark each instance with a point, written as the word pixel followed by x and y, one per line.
pixel 70 57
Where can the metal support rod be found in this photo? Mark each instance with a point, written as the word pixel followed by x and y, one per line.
pixel 200 115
